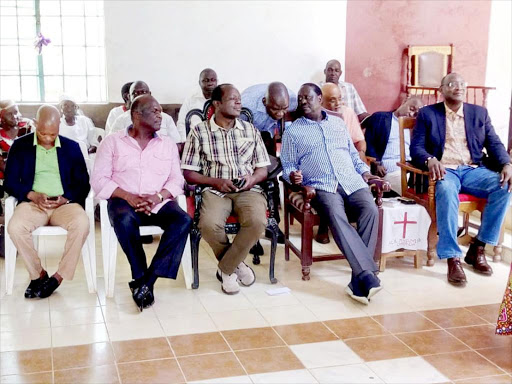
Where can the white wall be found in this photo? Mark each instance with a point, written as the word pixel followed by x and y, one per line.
pixel 167 43
pixel 499 66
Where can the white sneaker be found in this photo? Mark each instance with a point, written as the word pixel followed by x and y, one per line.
pixel 229 283
pixel 245 274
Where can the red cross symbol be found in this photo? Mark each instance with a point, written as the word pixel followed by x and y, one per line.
pixel 405 222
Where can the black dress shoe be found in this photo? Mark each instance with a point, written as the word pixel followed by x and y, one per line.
pixel 48 287
pixel 35 286
pixel 143 297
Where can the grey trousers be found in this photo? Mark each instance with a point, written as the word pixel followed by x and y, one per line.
pixel 341 209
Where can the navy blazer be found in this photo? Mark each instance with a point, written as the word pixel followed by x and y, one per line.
pixel 429 136
pixel 21 167
pixel 378 127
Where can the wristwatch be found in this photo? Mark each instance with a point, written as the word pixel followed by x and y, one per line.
pixel 160 196
pixel 428 158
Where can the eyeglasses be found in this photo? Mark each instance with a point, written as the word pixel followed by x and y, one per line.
pixel 459 84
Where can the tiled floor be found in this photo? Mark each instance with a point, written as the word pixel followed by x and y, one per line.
pixel 419 329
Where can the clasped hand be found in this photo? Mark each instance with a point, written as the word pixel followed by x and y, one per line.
pixel 42 200
pixel 143 203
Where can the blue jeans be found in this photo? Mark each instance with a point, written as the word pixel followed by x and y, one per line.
pixel 479 182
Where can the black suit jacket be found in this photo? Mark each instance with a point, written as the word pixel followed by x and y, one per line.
pixel 21 166
pixel 378 127
pixel 429 136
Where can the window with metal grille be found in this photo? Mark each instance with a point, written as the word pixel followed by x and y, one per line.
pixel 72 58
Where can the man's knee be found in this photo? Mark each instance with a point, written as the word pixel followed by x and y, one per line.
pixel 80 223
pixel 17 226
pixel 209 224
pixel 445 188
pixel 125 220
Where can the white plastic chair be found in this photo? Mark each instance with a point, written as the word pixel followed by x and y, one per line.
pixel 109 247
pixel 88 250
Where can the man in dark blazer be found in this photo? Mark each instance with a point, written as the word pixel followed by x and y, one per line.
pixel 383 141
pixel 47 174
pixel 449 139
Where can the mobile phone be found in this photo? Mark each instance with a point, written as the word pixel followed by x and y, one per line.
pixel 405 200
pixel 53 198
pixel 239 183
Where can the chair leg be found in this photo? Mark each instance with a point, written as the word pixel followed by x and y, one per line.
pixel 382 263
pixel 498 249
pixel 110 279
pixel 10 263
pixel 273 246
pixel 256 251
pixel 89 266
pixel 417 260
pixel 306 250
pixel 195 238
pixel 432 242
pixel 286 216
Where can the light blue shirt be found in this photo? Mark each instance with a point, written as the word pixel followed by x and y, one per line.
pixel 392 153
pixel 252 98
pixel 325 154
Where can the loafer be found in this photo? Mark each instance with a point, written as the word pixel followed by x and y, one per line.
pixel 143 297
pixel 245 274
pixel 456 275
pixel 476 257
pixel 47 288
pixel 35 286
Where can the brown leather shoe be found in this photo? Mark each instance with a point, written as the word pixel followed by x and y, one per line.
pixel 456 275
pixel 322 238
pixel 476 258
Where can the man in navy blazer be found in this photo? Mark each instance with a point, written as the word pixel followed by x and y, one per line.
pixel 383 141
pixel 449 139
pixel 48 176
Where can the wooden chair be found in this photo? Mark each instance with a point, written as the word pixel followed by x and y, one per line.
pixel 417 178
pixel 232 225
pixel 297 205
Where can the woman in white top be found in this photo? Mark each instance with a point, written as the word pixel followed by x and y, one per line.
pixel 75 126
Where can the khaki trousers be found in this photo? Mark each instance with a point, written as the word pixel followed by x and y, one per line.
pixel 250 207
pixel 28 217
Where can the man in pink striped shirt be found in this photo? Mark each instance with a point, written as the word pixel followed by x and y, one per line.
pixel 139 173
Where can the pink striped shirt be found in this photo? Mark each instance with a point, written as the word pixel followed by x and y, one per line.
pixel 120 162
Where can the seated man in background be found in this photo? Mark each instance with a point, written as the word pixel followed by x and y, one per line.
pixel 207 83
pixel 449 139
pixel 383 141
pixel 118 111
pixel 269 103
pixel 47 174
pixel 168 127
pixel 349 93
pixel 75 126
pixel 318 152
pixel 139 173
pixel 12 125
pixel 219 152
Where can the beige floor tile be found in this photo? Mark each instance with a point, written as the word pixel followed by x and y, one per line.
pixel 225 303
pixel 81 356
pixel 212 366
pixel 405 322
pixel 154 371
pixel 325 354
pixel 299 376
pixel 35 378
pixel 72 300
pixel 101 374
pixel 243 318
pixel 25 339
pixel 198 344
pixel 144 349
pixel 183 325
pixel 268 360
pixel 292 314
pixel 252 338
pixel 346 374
pixel 455 365
pixel 11 304
pixel 408 370
pixel 79 334
pixel 144 328
pixel 25 362
pixel 78 316
pixel 432 342
pixel 305 333
pixel 21 321
pixel 379 348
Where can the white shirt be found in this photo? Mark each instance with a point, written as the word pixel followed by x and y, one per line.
pixel 112 116
pixel 82 131
pixel 168 128
pixel 196 101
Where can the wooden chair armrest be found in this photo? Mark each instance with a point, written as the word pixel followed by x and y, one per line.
pixel 379 185
pixel 411 168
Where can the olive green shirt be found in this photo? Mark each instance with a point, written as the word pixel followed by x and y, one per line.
pixel 47 176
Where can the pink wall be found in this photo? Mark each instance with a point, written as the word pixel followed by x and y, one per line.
pixel 378 31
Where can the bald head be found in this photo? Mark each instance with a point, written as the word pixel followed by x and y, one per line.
pixel 276 100
pixel 146 113
pixel 47 125
pixel 331 97
pixel 453 87
pixel 409 107
pixel 138 88
pixel 207 82
pixel 332 71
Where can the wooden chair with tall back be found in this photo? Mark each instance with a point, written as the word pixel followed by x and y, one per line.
pixel 415 177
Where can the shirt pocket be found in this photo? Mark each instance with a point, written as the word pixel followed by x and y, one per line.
pixel 121 163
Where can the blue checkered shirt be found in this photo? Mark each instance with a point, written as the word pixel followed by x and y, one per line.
pixel 252 98
pixel 325 154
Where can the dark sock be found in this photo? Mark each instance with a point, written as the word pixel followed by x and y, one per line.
pixel 151 280
pixel 478 243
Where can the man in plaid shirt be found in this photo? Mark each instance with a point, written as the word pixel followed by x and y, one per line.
pixel 350 97
pixel 228 156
